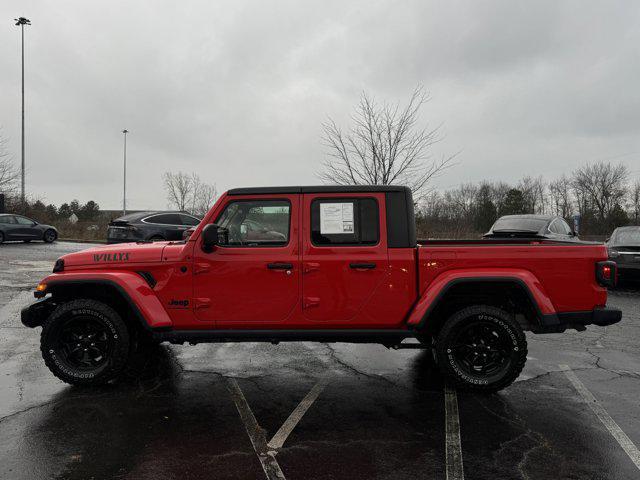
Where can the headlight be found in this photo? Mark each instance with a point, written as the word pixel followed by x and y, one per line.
pixel 614 254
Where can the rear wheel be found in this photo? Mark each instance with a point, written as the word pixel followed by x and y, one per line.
pixel 85 342
pixel 49 236
pixel 481 348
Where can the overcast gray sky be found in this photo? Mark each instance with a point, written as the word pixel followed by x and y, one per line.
pixel 237 91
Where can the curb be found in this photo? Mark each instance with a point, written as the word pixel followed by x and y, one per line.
pixel 77 240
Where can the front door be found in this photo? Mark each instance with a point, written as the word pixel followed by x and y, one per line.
pixel 251 280
pixel 25 229
pixel 345 257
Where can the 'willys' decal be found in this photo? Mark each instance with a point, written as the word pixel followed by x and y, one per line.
pixel 111 257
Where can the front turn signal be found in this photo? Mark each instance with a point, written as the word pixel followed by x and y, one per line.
pixel 41 290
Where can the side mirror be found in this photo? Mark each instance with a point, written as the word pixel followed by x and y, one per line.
pixel 213 235
pixel 209 237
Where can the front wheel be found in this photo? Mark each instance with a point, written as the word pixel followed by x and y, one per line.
pixel 85 342
pixel 50 236
pixel 481 348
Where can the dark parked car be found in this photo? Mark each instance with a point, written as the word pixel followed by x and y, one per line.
pixel 18 227
pixel 624 249
pixel 532 226
pixel 150 227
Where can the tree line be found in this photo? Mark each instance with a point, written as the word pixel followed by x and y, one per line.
pixel 602 194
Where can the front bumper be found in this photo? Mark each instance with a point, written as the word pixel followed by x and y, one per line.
pixel 559 322
pixel 33 315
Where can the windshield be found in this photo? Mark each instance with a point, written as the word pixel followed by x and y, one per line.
pixel 628 236
pixel 518 225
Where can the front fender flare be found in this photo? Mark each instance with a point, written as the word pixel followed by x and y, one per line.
pixel 132 287
pixel 442 283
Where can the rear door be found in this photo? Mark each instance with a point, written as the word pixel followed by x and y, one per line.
pixel 9 227
pixel 251 280
pixel 344 255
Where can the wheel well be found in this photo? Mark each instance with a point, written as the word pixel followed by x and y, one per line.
pixel 510 296
pixel 105 293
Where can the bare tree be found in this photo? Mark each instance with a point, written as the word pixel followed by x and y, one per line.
pixel 8 173
pixel 601 185
pixel 188 192
pixel 384 146
pixel 178 187
pixel 635 201
pixel 560 196
pixel 204 198
pixel 533 191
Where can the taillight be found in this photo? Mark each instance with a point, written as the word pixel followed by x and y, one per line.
pixel 607 273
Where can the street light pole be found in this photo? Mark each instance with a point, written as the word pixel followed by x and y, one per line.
pixel 124 187
pixel 22 21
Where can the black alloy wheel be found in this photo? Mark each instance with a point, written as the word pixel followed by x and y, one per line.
pixel 481 348
pixel 50 236
pixel 85 342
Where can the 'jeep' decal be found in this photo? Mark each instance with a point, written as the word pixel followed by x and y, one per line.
pixel 111 257
pixel 178 303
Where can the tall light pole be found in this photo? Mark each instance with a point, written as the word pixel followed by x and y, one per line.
pixel 21 21
pixel 124 186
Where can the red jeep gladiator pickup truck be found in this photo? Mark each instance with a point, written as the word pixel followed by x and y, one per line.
pixel 326 264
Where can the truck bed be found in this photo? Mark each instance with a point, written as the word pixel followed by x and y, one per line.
pixel 563 271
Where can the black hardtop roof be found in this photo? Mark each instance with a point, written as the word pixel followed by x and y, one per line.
pixel 317 189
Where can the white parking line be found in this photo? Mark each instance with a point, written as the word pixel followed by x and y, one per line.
pixel 290 423
pixel 455 470
pixel 623 440
pixel 256 433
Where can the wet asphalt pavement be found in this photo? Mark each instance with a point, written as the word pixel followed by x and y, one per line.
pixel 204 411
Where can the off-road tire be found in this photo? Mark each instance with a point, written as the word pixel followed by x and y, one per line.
pixel 510 333
pixel 98 313
pixel 1 237
pixel 49 236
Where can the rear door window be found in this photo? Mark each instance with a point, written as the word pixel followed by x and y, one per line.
pixel 345 221
pixel 164 219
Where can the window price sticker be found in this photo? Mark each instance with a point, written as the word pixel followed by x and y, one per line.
pixel 336 218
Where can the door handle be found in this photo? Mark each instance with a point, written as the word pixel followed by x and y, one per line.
pixel 358 266
pixel 279 266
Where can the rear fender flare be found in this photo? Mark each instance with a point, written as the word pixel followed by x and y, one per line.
pixel 443 283
pixel 132 287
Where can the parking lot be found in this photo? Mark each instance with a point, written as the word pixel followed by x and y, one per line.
pixel 316 411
